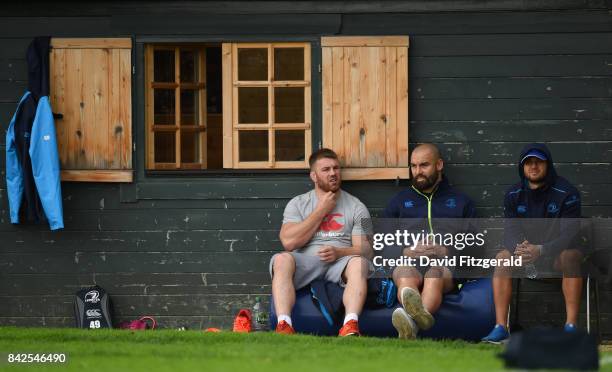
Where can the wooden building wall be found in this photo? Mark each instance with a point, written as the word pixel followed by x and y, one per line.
pixel 484 79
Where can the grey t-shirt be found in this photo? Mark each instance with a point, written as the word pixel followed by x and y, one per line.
pixel 349 217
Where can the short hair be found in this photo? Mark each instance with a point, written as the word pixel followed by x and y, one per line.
pixel 320 154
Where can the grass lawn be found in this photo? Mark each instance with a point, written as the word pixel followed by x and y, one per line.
pixel 170 350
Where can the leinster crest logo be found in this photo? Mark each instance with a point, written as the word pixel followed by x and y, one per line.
pixel 92 297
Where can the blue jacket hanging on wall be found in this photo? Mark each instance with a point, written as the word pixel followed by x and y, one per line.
pixel 32 159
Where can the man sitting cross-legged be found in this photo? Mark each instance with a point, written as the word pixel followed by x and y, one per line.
pixel 324 236
pixel 421 288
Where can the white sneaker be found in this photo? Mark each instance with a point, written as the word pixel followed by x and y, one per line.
pixel 403 323
pixel 411 301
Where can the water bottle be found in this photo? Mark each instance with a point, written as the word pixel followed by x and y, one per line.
pixel 259 317
pixel 530 271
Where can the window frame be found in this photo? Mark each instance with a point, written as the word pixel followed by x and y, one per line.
pixel 230 106
pixel 177 128
pixel 131 193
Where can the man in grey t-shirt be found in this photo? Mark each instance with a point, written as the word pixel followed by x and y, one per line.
pixel 325 235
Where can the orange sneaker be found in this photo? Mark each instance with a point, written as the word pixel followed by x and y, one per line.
pixel 351 328
pixel 284 328
pixel 242 322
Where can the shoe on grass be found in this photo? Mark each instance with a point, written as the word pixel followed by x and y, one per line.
pixel 498 335
pixel 406 327
pixel 351 328
pixel 242 322
pixel 411 301
pixel 284 328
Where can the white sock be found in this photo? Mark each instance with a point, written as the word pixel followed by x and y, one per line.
pixel 286 318
pixel 350 316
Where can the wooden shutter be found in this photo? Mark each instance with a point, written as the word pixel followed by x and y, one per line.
pixel 365 104
pixel 91 87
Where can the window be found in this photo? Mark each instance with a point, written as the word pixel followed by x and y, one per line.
pixel 176 107
pixel 266 111
pixel 365 104
pixel 265 90
pixel 90 81
pixel 235 105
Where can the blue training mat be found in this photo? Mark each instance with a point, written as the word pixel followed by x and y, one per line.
pixel 468 314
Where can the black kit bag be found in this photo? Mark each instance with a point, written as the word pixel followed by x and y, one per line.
pixel 551 348
pixel 92 308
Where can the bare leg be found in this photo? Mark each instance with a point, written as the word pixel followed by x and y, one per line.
pixel 282 283
pixel 572 291
pixel 570 261
pixel 502 289
pixel 438 280
pixel 405 276
pixel 356 289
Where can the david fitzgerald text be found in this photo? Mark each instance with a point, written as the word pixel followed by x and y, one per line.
pixel 454 261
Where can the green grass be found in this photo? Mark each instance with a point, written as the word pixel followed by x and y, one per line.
pixel 170 350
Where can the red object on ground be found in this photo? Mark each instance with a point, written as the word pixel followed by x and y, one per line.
pixel 212 329
pixel 242 322
pixel 139 324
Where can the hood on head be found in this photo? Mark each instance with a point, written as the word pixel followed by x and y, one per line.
pixel 551 173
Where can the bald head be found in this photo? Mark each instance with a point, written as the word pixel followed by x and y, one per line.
pixel 427 149
pixel 426 167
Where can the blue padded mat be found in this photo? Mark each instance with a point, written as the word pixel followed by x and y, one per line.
pixel 467 314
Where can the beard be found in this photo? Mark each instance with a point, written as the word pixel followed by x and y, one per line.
pixel 329 184
pixel 424 182
pixel 536 179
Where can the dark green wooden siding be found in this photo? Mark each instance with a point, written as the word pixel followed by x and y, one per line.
pixel 485 78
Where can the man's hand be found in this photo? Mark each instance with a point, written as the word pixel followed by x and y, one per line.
pixel 529 252
pixel 328 254
pixel 417 251
pixel 295 235
pixel 426 250
pixel 327 203
pixel 437 251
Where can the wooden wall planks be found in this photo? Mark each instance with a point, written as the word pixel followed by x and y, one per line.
pixel 484 79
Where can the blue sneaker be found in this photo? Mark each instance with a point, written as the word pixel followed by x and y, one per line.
pixel 570 327
pixel 497 336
